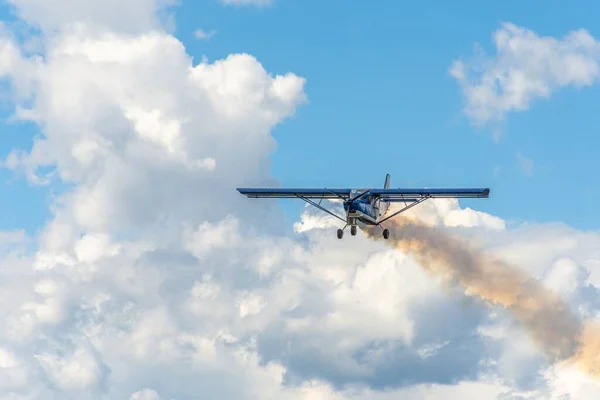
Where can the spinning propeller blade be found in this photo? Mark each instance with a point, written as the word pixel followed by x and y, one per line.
pixel 359 196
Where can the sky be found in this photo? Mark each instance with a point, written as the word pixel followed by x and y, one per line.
pixel 378 78
pixel 131 268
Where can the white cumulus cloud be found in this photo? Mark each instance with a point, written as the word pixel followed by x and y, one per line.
pixel 525 67
pixel 129 16
pixel 203 34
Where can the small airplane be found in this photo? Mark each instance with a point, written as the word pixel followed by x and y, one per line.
pixel 365 206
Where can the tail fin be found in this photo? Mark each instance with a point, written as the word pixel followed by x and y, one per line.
pixel 387 181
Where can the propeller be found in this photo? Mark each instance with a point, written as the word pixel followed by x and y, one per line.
pixel 349 201
pixel 359 196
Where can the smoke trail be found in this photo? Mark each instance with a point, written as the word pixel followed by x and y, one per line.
pixel 553 327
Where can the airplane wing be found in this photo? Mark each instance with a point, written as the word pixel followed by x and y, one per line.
pixel 293 193
pixel 384 194
pixel 402 194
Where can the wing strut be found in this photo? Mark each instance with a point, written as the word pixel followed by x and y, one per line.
pixel 422 199
pixel 312 203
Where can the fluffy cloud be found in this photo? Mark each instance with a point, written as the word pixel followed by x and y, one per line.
pixel 526 67
pixel 130 129
pixel 156 280
pixel 132 16
pixel 204 35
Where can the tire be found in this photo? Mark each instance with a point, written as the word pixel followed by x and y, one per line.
pixel 353 230
pixel 386 234
pixel 340 233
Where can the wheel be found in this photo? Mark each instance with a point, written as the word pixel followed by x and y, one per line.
pixel 340 233
pixel 386 234
pixel 353 230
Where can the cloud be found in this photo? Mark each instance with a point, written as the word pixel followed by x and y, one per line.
pixel 525 67
pixel 127 132
pixel 155 279
pixel 204 35
pixel 145 394
pixel 133 16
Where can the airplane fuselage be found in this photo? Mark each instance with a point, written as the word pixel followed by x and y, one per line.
pixel 367 211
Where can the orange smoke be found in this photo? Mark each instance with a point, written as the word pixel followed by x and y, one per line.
pixel 549 321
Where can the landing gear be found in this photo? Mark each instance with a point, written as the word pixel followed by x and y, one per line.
pixel 340 232
pixel 386 234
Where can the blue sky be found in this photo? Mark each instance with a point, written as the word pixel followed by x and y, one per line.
pixel 381 100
